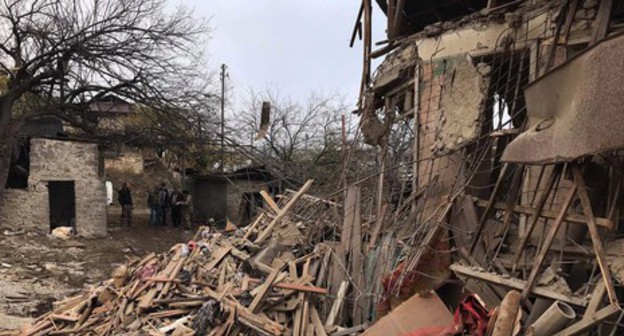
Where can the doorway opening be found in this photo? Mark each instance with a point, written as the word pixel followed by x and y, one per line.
pixel 251 203
pixel 62 198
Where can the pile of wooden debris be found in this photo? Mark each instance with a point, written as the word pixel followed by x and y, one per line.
pixel 261 279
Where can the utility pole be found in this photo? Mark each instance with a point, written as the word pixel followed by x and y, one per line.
pixel 223 74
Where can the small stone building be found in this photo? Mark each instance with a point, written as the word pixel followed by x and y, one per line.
pixel 234 196
pixel 65 187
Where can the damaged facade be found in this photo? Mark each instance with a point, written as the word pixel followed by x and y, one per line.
pixel 514 111
pixel 232 196
pixel 506 209
pixel 55 182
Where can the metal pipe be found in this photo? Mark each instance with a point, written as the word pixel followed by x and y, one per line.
pixel 554 319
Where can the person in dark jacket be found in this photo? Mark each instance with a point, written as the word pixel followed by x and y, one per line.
pixel 163 204
pixel 125 200
pixel 174 198
pixel 152 203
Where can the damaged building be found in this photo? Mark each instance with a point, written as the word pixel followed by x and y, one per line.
pixel 505 209
pixel 514 110
pixel 235 196
pixel 54 181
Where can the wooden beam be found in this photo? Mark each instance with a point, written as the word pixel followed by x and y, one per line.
pixel 253 226
pixel 547 243
pixel 554 175
pixel 283 211
pixel 593 232
pixel 602 21
pixel 256 304
pixel 517 284
pixel 335 309
pixel 378 223
pixel 586 324
pixel 398 17
pixel 549 214
pixel 357 27
pixel 269 201
pixel 596 300
pixel 390 16
pixel 488 208
pixel 569 21
pixel 294 286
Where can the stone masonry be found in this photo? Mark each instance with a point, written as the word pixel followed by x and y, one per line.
pixel 54 160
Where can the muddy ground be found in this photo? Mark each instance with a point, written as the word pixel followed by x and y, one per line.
pixel 36 269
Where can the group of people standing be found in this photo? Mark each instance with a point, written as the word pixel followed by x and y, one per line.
pixel 175 205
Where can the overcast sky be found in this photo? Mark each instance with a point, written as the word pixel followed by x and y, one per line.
pixel 295 46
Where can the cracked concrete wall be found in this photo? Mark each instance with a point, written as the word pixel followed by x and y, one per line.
pixel 461 107
pixel 53 160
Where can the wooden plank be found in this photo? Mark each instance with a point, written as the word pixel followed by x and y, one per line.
pixel 168 313
pixel 357 265
pixel 62 317
pixel 256 304
pixel 586 324
pixel 305 313
pixel 297 320
pixel 315 199
pixel 535 271
pixel 322 274
pixel 492 295
pixel 218 256
pixel 269 201
pixel 596 300
pixel 378 223
pixel 390 15
pixel 593 233
pixel 516 284
pixel 466 222
pixel 335 309
pixel 295 287
pixel 398 17
pixel 172 276
pixel 253 226
pixel 351 331
pixel 267 231
pixel 488 208
pixel 549 214
pixel 552 178
pixel 357 29
pixel 569 21
pixel 350 204
pixel 601 23
pixel 316 321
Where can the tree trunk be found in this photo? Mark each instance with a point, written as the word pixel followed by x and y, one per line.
pixel 7 142
pixel 5 163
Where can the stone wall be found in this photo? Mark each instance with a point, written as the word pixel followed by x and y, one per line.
pixel 53 160
pixel 16 211
pixel 126 162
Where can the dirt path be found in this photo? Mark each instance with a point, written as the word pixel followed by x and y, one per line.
pixel 36 270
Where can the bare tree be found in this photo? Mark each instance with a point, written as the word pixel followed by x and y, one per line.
pixel 303 139
pixel 60 56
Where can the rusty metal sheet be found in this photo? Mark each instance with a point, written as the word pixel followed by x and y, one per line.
pixel 580 108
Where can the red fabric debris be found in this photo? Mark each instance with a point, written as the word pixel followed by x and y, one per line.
pixel 470 318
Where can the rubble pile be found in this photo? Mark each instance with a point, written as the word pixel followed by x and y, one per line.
pixel 260 279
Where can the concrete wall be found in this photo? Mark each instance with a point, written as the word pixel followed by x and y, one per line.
pixel 53 160
pixel 236 189
pixel 208 200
